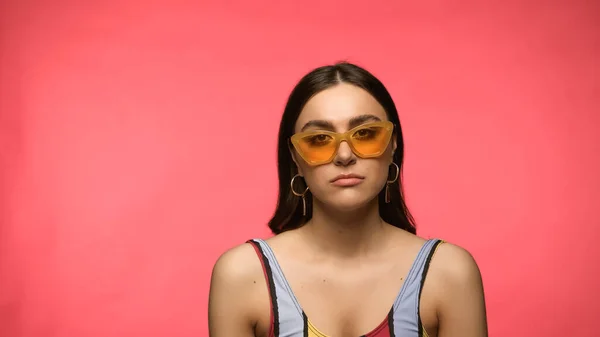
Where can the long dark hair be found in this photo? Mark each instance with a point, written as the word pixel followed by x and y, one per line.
pixel 288 214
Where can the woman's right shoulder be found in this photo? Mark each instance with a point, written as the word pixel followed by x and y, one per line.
pixel 238 299
pixel 239 264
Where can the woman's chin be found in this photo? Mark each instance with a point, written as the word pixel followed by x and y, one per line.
pixel 350 204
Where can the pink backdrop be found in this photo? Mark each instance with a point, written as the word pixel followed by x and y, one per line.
pixel 138 142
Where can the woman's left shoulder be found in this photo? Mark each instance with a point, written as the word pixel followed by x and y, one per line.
pixel 455 284
pixel 447 261
pixel 454 263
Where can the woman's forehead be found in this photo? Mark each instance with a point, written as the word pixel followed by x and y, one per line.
pixel 339 105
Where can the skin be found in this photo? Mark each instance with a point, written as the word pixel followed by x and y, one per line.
pixel 346 265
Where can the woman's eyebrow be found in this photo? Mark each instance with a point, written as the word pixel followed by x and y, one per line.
pixel 327 125
pixel 322 124
pixel 358 120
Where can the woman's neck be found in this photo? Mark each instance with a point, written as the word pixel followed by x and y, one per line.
pixel 347 234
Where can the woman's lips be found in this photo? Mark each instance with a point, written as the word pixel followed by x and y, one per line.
pixel 347 180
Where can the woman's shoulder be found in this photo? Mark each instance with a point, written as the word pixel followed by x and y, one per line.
pixel 450 262
pixel 454 262
pixel 243 259
pixel 452 272
pixel 238 290
pixel 455 284
pixel 238 264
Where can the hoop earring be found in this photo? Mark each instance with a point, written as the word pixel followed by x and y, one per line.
pixel 299 194
pixel 389 182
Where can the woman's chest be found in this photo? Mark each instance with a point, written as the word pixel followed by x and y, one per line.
pixel 337 302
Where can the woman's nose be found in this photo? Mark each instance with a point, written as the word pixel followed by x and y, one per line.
pixel 344 156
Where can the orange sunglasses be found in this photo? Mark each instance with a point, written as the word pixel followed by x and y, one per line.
pixel 366 141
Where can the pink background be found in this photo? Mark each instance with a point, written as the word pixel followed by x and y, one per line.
pixel 138 142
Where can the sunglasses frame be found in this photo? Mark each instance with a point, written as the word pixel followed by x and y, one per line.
pixel 338 138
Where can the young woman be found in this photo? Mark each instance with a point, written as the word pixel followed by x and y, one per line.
pixel 345 260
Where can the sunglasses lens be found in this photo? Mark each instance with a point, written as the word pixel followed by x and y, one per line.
pixel 316 148
pixel 368 141
pixel 371 141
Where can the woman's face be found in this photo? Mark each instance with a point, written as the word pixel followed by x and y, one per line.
pixel 339 109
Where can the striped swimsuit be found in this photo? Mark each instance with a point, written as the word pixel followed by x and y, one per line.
pixel 289 320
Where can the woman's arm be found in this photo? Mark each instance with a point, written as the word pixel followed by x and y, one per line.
pixel 231 305
pixel 461 302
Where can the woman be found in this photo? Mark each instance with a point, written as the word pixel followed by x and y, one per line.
pixel 345 260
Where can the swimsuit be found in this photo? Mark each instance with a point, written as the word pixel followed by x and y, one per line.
pixel 289 320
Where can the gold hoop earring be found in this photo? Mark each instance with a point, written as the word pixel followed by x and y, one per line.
pixel 299 194
pixel 389 182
